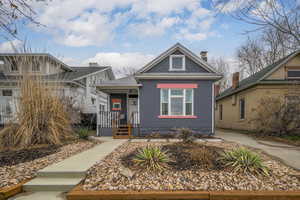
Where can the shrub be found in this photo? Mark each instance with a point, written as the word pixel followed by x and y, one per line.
pixel 40 117
pixel 83 133
pixel 203 155
pixel 278 117
pixel 187 135
pixel 151 158
pixel 245 161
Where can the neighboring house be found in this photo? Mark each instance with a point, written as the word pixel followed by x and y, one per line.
pixel 174 90
pixel 77 83
pixel 236 106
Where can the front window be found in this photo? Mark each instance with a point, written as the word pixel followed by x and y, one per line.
pixel 242 108
pixel 176 102
pixel 177 63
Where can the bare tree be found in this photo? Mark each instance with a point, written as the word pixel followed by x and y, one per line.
pixel 126 71
pixel 251 57
pixel 222 66
pixel 14 13
pixel 280 15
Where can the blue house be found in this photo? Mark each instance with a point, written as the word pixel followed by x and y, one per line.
pixel 174 90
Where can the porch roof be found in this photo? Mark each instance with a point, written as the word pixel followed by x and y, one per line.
pixel 121 83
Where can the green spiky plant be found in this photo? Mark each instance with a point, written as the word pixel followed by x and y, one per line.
pixel 245 161
pixel 152 158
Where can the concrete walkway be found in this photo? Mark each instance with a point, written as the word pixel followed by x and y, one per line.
pixel 63 176
pixel 290 155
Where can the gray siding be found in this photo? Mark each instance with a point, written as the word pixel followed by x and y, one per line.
pixel 191 66
pixel 150 108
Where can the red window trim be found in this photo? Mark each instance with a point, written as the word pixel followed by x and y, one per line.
pixel 177 85
pixel 116 100
pixel 177 117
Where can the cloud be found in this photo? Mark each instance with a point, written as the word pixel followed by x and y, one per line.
pixel 80 23
pixel 157 29
pixel 120 60
pixel 10 46
pixel 163 8
pixel 191 36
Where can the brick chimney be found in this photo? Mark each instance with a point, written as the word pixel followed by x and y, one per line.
pixel 203 55
pixel 93 64
pixel 235 79
pixel 217 89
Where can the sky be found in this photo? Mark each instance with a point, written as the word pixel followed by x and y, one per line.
pixel 123 33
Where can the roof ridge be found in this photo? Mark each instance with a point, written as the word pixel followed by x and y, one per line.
pixel 256 77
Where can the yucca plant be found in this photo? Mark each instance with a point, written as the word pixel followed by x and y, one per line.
pixel 245 161
pixel 152 158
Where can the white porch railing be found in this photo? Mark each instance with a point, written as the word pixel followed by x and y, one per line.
pixel 109 119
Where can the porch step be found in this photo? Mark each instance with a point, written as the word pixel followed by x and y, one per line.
pixel 51 184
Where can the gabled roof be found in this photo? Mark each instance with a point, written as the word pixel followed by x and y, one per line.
pixel 258 76
pixel 171 50
pixel 77 73
pixel 65 66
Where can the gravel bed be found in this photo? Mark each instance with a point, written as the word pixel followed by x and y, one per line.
pixel 107 175
pixel 19 165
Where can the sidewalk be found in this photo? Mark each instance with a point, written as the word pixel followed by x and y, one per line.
pixel 63 176
pixel 288 154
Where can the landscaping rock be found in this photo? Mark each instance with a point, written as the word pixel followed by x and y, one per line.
pixel 126 172
pixel 17 166
pixel 110 175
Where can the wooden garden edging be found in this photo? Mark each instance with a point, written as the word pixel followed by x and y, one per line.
pixel 78 194
pixel 7 192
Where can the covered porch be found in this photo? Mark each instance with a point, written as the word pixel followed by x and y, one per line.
pixel 121 119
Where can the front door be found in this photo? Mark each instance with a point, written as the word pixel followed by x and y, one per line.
pixel 119 104
pixel 132 107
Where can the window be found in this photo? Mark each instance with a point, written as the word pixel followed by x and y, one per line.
pixel 93 100
pixel 7 93
pixel 36 67
pixel 220 111
pixel 293 74
pixel 102 107
pixel 1 62
pixel 242 108
pixel 116 104
pixel 177 63
pixel 176 102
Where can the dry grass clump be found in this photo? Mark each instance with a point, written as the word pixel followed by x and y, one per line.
pixel 40 117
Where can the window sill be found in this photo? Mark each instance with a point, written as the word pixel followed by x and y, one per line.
pixel 177 117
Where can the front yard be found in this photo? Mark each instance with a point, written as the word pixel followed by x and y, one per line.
pixel 19 165
pixel 192 167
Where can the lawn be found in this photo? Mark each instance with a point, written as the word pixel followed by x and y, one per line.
pixel 193 167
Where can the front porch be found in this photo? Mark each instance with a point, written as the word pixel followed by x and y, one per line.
pixel 121 119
